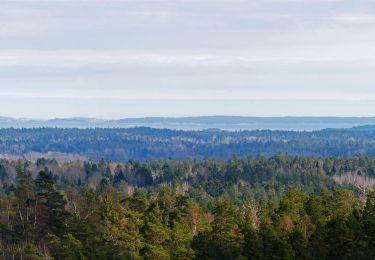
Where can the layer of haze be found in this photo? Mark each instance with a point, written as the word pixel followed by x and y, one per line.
pixel 114 59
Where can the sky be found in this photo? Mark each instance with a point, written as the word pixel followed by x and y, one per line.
pixel 118 59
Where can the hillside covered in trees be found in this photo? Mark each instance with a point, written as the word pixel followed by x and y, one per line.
pixel 281 207
pixel 116 144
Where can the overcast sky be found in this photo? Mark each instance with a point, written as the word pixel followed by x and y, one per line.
pixel 115 59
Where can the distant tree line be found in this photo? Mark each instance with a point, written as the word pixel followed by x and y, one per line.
pixel 143 144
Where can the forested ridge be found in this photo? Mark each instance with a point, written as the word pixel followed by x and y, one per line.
pixel 116 144
pixel 278 207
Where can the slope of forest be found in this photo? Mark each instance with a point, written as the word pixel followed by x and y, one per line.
pixel 118 144
pixel 280 207
pixel 109 194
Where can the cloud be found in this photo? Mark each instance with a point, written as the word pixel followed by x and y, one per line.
pixel 358 19
pixel 214 58
pixel 187 50
pixel 249 95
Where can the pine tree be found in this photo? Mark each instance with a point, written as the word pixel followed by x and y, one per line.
pixel 110 225
pixel 225 240
pixel 156 235
pixel 66 247
pixel 131 236
pixel 252 244
pixel 25 204
pixel 180 241
pixel 31 252
pixel 54 202
pixel 369 223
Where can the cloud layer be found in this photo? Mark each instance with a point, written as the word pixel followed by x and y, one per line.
pixel 266 52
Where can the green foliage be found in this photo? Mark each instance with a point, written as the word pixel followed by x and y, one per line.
pixel 156 234
pixel 56 215
pixel 31 252
pixel 369 224
pixel 66 247
pixel 224 239
pixel 180 241
pixel 184 217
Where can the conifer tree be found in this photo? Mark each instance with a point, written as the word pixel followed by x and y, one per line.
pixel 156 234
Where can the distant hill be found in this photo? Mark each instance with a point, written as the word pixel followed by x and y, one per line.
pixel 364 128
pixel 197 123
pixel 144 143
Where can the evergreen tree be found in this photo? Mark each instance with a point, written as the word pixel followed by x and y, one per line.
pixel 25 204
pixel 225 240
pixel 180 242
pixel 31 252
pixel 369 224
pixel 156 234
pixel 54 202
pixel 66 247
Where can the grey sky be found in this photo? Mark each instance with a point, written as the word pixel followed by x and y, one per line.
pixel 114 59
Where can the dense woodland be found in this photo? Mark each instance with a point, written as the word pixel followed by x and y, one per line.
pixel 281 207
pixel 142 144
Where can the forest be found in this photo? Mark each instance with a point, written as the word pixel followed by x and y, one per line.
pixel 187 130
pixel 142 143
pixel 278 207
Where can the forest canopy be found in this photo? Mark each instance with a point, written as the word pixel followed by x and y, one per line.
pixel 142 143
pixel 242 208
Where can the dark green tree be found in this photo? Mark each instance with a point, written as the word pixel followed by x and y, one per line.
pixel 156 235
pixel 57 216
